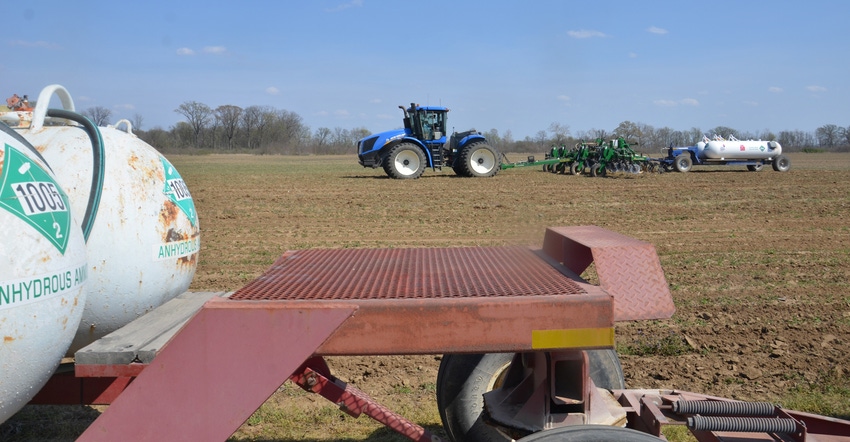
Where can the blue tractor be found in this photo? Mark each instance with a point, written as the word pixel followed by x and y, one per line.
pixel 405 153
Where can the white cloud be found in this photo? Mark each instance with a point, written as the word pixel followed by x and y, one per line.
pixel 674 103
pixel 386 117
pixel 775 89
pixel 751 103
pixel 376 101
pixel 563 98
pixel 342 113
pixel 216 50
pixel 271 90
pixel 816 88
pixel 35 44
pixel 656 30
pixel 344 6
pixel 632 55
pixel 185 51
pixel 585 33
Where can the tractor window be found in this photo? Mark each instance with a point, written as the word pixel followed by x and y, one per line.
pixel 433 125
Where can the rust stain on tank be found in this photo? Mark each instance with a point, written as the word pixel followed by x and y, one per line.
pixel 8 339
pixel 168 216
pixel 133 161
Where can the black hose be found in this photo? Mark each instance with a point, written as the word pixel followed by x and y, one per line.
pixel 14 134
pixel 98 156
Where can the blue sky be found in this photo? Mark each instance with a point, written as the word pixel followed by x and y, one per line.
pixel 517 66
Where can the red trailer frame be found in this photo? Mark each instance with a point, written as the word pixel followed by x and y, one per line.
pixel 201 378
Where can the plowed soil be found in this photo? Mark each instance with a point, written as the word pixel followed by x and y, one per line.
pixel 758 262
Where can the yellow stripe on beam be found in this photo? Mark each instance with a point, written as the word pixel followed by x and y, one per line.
pixel 573 338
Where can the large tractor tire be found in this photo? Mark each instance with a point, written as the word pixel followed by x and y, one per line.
pixel 683 163
pixel 463 378
pixel 404 161
pixel 781 163
pixel 479 160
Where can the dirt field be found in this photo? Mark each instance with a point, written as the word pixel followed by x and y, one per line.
pixel 758 264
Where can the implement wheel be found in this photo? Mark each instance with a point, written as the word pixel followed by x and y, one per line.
pixel 755 167
pixel 404 161
pixel 575 169
pixel 590 433
pixel 464 378
pixel 479 160
pixel 597 169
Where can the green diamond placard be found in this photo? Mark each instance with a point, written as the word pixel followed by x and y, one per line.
pixel 31 194
pixel 177 192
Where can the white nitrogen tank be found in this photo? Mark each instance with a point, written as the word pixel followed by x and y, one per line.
pixel 135 211
pixel 42 272
pixel 734 149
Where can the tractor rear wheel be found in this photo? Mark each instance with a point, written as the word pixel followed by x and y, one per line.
pixel 404 161
pixel 479 160
pixel 463 378
pixel 683 163
pixel 781 163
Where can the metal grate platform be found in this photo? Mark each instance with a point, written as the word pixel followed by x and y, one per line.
pixel 361 274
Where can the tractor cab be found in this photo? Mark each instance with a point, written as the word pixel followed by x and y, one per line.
pixel 426 123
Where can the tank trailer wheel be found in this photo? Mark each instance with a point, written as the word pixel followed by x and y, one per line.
pixel 683 163
pixel 781 163
pixel 463 378
pixel 755 167
pixel 404 161
pixel 480 160
pixel 590 433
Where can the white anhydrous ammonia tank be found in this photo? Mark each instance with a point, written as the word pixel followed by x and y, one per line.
pixel 42 273
pixel 741 150
pixel 136 212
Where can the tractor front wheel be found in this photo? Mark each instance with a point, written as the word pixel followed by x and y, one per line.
pixel 479 160
pixel 404 161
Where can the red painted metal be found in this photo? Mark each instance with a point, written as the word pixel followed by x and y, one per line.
pixel 627 268
pixel 67 389
pixel 355 402
pixel 196 388
pixel 365 274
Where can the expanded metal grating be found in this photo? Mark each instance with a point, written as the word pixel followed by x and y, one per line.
pixel 338 274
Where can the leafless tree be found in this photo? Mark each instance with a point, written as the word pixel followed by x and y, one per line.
pixel 198 115
pixel 828 135
pixel 227 118
pixel 99 115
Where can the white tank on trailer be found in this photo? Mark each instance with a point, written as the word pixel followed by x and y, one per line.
pixel 136 213
pixel 734 149
pixel 42 272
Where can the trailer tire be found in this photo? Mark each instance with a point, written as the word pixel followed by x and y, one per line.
pixel 463 378
pixel 479 160
pixel 590 433
pixel 404 161
pixel 683 163
pixel 781 163
pixel 755 167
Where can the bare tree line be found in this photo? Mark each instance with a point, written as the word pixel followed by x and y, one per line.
pixel 267 130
